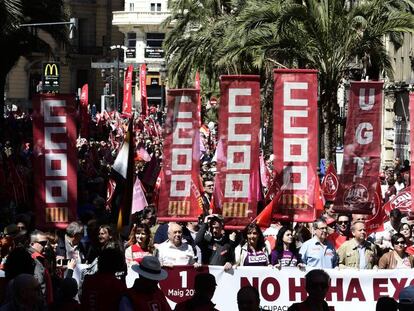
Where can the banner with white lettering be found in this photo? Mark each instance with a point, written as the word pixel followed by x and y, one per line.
pixel 55 163
pixel 180 198
pixel 127 103
pixel 279 289
pixel 238 155
pixel 362 150
pixel 295 142
pixel 411 109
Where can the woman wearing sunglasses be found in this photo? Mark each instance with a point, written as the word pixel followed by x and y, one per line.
pixel 397 258
pixel 406 230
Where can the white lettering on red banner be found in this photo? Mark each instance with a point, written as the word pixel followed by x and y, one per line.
pixel 237 158
pixel 55 166
pixel 361 149
pixel 295 141
pixel 179 195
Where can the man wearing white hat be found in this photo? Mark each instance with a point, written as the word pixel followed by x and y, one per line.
pixel 145 294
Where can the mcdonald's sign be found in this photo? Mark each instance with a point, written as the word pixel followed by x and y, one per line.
pixel 51 77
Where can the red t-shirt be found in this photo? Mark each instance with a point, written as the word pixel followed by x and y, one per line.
pixel 336 239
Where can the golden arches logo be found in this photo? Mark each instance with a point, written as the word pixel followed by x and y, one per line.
pixel 50 69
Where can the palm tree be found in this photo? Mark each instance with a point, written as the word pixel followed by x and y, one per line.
pixel 17 41
pixel 321 34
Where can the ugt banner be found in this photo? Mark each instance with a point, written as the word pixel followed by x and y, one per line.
pixel 295 143
pixel 180 197
pixel 55 164
pixel 362 148
pixel 238 149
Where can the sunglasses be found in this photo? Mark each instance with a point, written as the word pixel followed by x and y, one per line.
pixel 343 222
pixel 43 243
pixel 400 243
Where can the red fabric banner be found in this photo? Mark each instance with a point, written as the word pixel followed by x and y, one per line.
pixel 295 141
pixel 376 222
pixel 143 88
pixel 127 104
pixel 402 201
pixel 411 109
pixel 198 87
pixel 238 177
pixel 361 164
pixel 55 163
pixel 179 193
pixel 330 183
pixel 84 132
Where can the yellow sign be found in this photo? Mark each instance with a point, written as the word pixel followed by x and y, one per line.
pixel 51 70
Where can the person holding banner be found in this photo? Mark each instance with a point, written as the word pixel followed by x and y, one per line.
pixel 285 253
pixel 139 244
pixel 358 252
pixel 318 252
pixel 397 258
pixel 253 249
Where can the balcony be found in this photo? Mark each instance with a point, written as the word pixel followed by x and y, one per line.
pixel 138 18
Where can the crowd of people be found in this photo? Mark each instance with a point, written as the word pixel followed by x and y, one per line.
pixel 37 267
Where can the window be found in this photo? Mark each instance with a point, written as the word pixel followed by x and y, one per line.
pixel 131 39
pixel 155 7
pixel 131 7
pixel 155 39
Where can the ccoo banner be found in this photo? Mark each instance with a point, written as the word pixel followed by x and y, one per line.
pixel 180 197
pixel 362 150
pixel 238 151
pixel 55 164
pixel 295 142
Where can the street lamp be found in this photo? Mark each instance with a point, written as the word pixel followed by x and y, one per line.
pixel 163 77
pixel 118 47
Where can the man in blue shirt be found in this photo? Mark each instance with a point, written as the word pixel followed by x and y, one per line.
pixel 318 252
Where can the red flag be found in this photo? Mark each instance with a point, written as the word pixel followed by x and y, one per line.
pixel 198 87
pixel 110 190
pixel 143 87
pixel 264 219
pixel 264 173
pixel 402 201
pixel 330 183
pixel 127 104
pixel 237 158
pixel 139 202
pixel 295 112
pixel 376 222
pixel 84 132
pixel 362 151
pixel 319 199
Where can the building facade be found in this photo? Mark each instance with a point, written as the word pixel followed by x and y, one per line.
pixel 92 40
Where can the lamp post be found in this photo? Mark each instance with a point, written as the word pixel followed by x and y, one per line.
pixel 163 77
pixel 118 47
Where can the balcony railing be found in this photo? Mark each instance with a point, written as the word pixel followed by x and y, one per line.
pixel 139 18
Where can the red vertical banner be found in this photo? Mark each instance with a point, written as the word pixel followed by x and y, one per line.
pixel 238 155
pixel 330 183
pixel 143 88
pixel 127 104
pixel 362 150
pixel 198 87
pixel 55 164
pixel 84 126
pixel 411 108
pixel 179 193
pixel 295 143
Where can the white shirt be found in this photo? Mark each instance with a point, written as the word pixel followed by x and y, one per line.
pixel 170 255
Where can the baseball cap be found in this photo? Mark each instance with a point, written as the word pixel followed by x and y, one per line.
pixel 407 295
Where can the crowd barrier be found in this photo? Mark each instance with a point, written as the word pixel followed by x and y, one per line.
pixel 278 289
